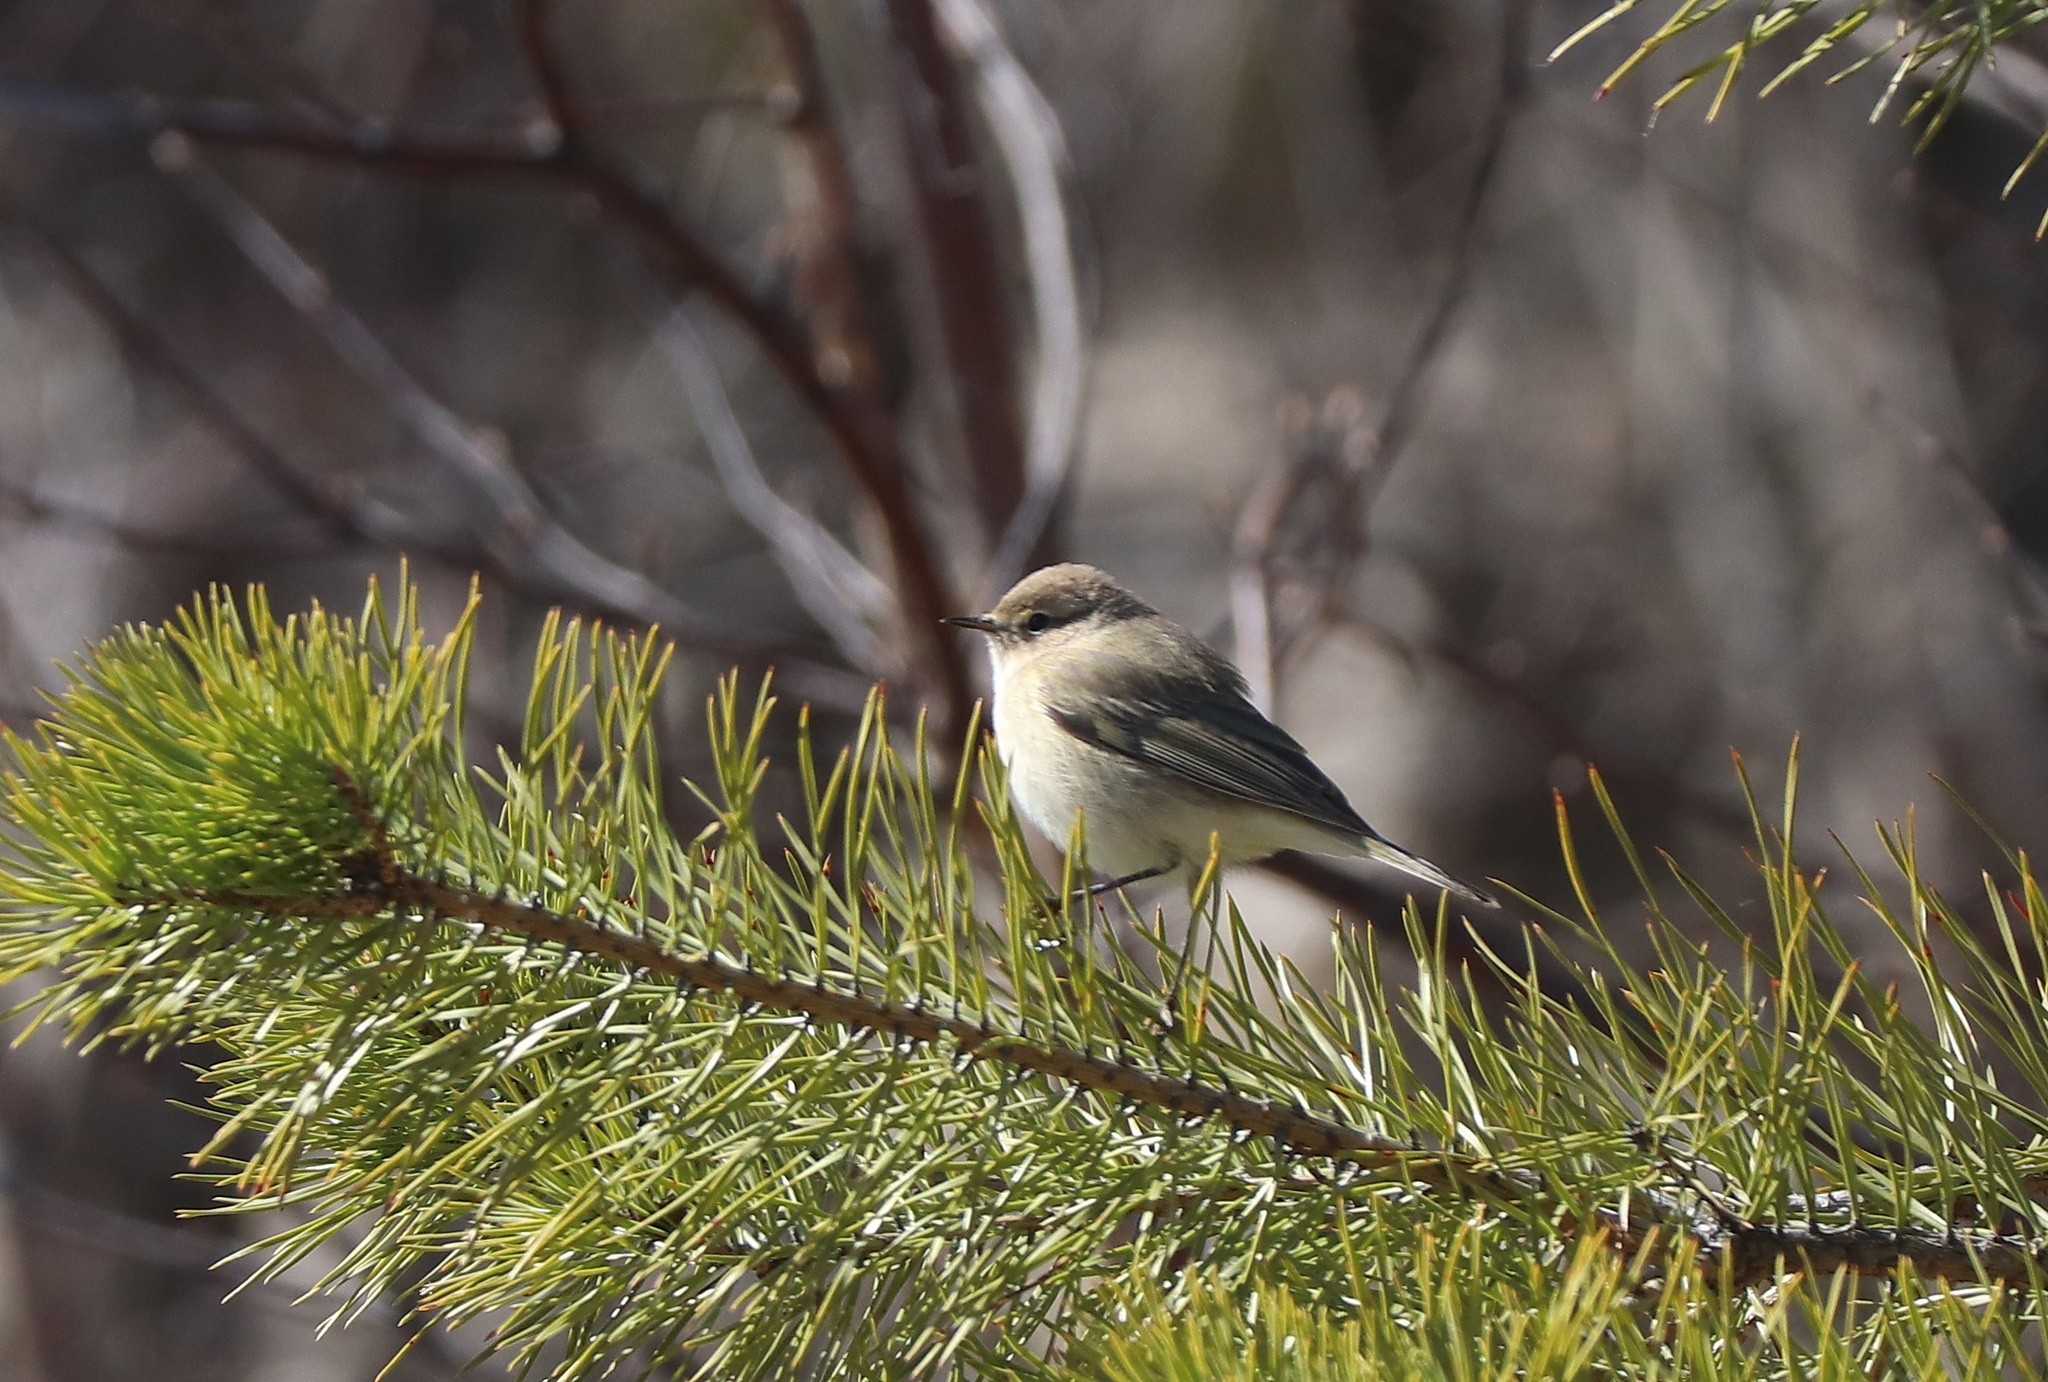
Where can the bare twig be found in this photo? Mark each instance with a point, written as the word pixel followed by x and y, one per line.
pixel 959 250
pixel 521 536
pixel 1340 527
pixel 1406 396
pixel 849 601
pixel 1251 596
pixel 1027 136
pixel 863 437
pixel 823 226
pixel 78 520
pixel 345 514
pixel 332 500
pixel 1269 544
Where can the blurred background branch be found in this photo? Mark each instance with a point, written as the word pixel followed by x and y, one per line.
pixel 1497 437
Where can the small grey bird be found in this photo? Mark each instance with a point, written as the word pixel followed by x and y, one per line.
pixel 1107 710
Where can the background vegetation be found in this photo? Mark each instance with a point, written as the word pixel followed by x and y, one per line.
pixel 1493 436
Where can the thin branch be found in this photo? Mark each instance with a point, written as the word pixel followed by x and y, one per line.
pixel 1340 527
pixel 1406 397
pixel 1759 1253
pixel 1292 1128
pixel 1027 136
pixel 78 520
pixel 1268 539
pixel 331 500
pixel 848 600
pixel 957 244
pixel 520 534
pixel 337 504
pixel 865 440
pixel 1253 537
pixel 823 225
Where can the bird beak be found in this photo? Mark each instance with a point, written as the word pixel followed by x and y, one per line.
pixel 980 623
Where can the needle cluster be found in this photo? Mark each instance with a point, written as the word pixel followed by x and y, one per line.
pixel 819 1095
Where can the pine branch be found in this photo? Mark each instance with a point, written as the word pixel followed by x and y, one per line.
pixel 1930 53
pixel 786 1098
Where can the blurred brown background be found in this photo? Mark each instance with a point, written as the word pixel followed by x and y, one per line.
pixel 1496 430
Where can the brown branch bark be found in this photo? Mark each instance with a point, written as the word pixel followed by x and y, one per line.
pixel 1753 1254
pixel 1292 1128
pixel 974 330
pixel 341 512
pixel 824 220
pixel 1739 1254
pixel 865 442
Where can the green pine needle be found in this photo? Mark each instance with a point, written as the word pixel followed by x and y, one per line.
pixel 1933 46
pixel 811 1097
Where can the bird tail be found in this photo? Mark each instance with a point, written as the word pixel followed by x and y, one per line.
pixel 1387 852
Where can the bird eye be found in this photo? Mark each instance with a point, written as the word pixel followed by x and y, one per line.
pixel 1038 623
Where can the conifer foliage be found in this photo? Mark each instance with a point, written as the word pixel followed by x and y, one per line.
pixel 1925 52
pixel 810 1096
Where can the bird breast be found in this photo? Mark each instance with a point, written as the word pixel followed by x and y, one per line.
pixel 1136 816
pixel 1056 778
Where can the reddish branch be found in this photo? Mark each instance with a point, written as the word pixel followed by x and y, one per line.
pixel 1336 528
pixel 959 246
pixel 554 155
pixel 824 224
pixel 1293 1128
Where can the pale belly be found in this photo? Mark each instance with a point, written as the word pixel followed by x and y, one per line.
pixel 1134 817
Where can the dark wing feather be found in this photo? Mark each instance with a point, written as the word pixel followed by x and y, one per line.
pixel 1224 744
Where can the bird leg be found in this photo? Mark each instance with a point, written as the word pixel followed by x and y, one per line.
pixel 1111 884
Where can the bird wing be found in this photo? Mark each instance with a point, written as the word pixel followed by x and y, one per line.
pixel 1223 744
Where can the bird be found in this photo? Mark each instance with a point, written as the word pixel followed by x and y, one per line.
pixel 1108 712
